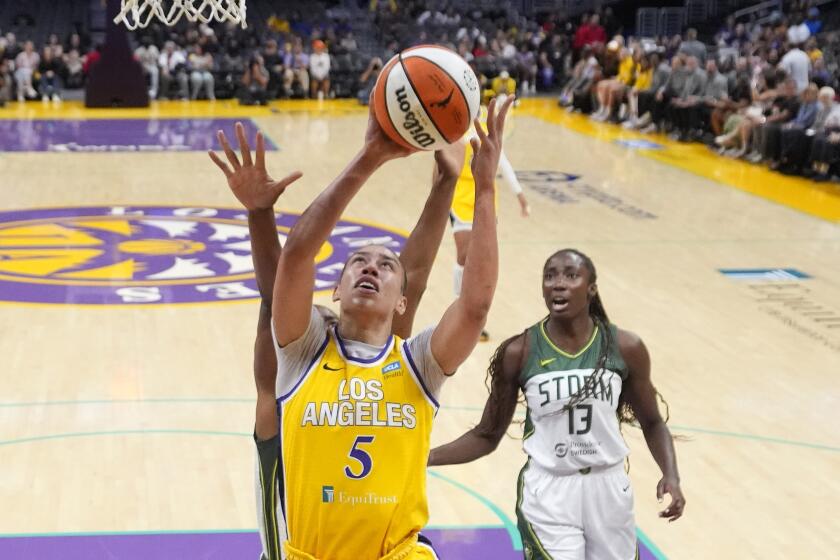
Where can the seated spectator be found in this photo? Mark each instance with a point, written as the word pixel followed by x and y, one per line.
pixel 50 70
pixel 692 115
pixel 148 55
pixel 692 47
pixel 254 83
pixel 74 75
pixel 278 24
pixel 771 146
pixel 755 130
pixel 296 63
pixel 674 87
pixel 796 141
pixel 25 65
pixel 825 148
pixel 319 70
pixel 348 43
pixel 611 92
pixel 201 73
pixel 646 98
pixel 739 99
pixel 368 79
pixel 173 66
pixel 502 84
pixel 819 73
pixel 813 22
pixel 526 66
pixel 273 60
pixel 5 82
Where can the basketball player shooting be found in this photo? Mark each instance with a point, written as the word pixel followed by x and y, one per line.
pixel 258 192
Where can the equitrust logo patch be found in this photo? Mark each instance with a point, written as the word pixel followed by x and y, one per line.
pixel 141 255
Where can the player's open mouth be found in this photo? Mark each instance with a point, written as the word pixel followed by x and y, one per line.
pixel 368 285
pixel 559 304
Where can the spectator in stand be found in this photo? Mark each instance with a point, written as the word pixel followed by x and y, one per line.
pixel 799 32
pixel 726 36
pixel 5 81
pixel 813 49
pixel 754 131
pixel 173 67
pixel 739 99
pixel 50 69
pixel 273 61
pixel 73 64
pixel 319 70
pixel 797 64
pixel 254 83
pixel 502 84
pixel 148 55
pixel 770 145
pixel 819 73
pixel 813 22
pixel 692 47
pixel 825 148
pixel 74 42
pixel 611 92
pixel 695 85
pixel 348 43
pixel 526 65
pixel 589 32
pixel 368 79
pixel 278 24
pixel 692 115
pixel 25 65
pixel 644 88
pixel 673 87
pixel 581 77
pixel 296 63
pixel 201 73
pixel 796 140
pixel 12 48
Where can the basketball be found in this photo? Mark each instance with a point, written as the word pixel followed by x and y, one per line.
pixel 426 97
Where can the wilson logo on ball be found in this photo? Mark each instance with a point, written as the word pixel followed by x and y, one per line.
pixel 426 97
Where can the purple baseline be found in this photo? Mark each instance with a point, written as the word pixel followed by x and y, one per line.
pixel 119 135
pixel 450 544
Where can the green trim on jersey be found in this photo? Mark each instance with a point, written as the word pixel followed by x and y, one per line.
pixel 545 356
pixel 269 454
pixel 532 548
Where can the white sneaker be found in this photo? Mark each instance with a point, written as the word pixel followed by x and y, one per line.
pixel 45 98
pixel 56 98
pixel 31 92
pixel 649 129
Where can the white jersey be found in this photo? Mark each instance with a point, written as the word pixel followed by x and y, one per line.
pixel 563 441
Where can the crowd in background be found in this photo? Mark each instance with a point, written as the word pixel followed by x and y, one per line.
pixel 761 91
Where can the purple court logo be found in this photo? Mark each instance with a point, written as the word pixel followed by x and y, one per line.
pixel 144 255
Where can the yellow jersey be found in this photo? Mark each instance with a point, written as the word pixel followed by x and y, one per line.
pixel 626 70
pixel 354 442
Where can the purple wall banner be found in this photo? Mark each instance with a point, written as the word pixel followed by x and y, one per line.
pixel 120 135
pixel 144 255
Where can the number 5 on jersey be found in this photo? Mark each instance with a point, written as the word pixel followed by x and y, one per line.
pixel 361 456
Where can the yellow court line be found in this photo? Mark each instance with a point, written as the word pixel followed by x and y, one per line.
pixel 817 199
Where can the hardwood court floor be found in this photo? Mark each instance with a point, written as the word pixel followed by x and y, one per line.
pixel 115 418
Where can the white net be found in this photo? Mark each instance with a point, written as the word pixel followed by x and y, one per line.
pixel 140 13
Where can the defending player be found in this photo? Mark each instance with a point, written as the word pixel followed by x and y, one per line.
pixel 358 403
pixel 581 377
pixel 257 192
pixel 463 203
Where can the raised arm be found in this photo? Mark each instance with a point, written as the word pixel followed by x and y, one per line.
pixel 458 331
pixel 257 192
pixel 422 246
pixel 498 411
pixel 292 300
pixel 641 395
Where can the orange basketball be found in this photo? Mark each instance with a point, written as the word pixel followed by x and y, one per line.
pixel 426 97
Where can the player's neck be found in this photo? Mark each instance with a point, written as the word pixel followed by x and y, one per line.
pixel 369 330
pixel 576 330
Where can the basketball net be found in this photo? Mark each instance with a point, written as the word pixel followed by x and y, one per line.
pixel 140 13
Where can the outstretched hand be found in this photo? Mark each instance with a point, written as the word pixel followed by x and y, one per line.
pixel 487 147
pixel 248 179
pixel 675 509
pixel 377 143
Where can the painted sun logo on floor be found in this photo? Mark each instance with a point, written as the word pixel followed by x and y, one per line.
pixel 149 254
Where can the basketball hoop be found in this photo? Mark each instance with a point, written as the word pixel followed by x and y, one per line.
pixel 139 13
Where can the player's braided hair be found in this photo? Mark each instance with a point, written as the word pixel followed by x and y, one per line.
pixel 599 316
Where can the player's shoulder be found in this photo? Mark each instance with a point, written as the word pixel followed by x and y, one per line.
pixel 632 347
pixel 514 353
